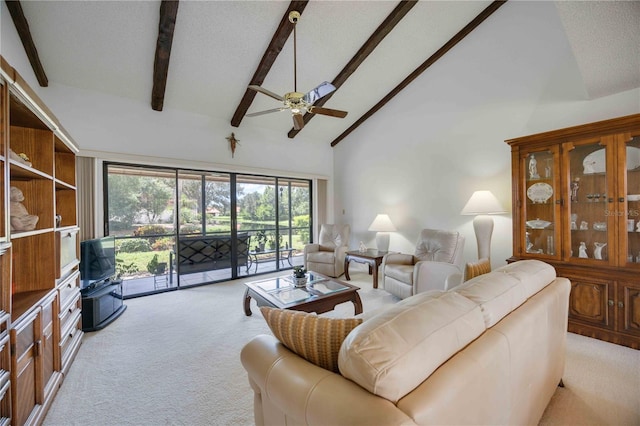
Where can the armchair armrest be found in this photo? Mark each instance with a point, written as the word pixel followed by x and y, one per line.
pixel 308 394
pixel 429 275
pixel 398 259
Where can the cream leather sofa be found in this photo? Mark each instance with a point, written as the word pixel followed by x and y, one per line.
pixel 490 351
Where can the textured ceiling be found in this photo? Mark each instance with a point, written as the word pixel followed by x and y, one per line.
pixel 109 46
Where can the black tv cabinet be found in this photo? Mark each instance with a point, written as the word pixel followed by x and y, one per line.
pixel 102 305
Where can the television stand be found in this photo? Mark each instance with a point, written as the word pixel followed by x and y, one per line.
pixel 102 305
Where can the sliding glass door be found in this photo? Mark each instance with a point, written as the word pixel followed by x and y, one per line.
pixel 179 228
pixel 140 211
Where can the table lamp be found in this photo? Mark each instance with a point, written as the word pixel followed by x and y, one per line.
pixel 481 204
pixel 382 225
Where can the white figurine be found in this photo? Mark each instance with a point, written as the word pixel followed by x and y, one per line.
pixel 582 250
pixel 21 220
pixel 362 248
pixel 597 253
pixel 533 168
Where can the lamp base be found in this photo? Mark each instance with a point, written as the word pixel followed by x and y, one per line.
pixel 382 241
pixel 483 227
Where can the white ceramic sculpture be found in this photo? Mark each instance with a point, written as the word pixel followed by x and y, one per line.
pixel 533 168
pixel 21 220
pixel 582 250
pixel 597 252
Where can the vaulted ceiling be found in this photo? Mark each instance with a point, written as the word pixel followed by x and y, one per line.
pixel 218 47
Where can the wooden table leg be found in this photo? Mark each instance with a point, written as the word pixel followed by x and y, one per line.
pixel 247 302
pixel 357 303
pixel 375 276
pixel 346 268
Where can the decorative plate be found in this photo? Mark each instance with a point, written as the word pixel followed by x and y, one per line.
pixel 596 161
pixel 538 224
pixel 540 192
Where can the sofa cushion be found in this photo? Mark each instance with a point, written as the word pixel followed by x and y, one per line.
pixel 497 293
pixel 314 338
pixel 321 257
pixel 393 352
pixel 534 274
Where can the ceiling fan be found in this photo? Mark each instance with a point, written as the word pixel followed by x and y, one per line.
pixel 296 102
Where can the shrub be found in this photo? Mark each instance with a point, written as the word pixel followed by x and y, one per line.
pixel 190 229
pixel 162 244
pixel 134 245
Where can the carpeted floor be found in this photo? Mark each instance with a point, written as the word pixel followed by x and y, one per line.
pixel 173 359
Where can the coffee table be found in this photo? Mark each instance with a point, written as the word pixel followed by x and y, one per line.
pixel 320 294
pixel 371 257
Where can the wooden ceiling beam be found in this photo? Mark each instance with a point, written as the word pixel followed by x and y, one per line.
pixel 22 26
pixel 166 27
pixel 488 11
pixel 273 50
pixel 369 46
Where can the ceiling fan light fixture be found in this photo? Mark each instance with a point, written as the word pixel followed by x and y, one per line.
pixel 296 102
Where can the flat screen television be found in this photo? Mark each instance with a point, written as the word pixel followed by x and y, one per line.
pixel 97 261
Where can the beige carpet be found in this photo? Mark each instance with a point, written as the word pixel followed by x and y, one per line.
pixel 173 359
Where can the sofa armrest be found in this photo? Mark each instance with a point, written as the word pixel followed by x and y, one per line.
pixel 429 275
pixel 308 394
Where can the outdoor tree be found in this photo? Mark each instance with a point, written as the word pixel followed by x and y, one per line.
pixel 123 200
pixel 154 197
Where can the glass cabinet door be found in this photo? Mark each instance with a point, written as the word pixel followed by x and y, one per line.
pixel 541 202
pixel 591 206
pixel 630 228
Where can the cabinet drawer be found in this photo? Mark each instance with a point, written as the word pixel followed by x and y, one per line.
pixel 67 313
pixel 70 340
pixel 68 289
pixel 67 251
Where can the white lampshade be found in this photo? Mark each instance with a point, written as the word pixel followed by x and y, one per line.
pixel 481 204
pixel 382 225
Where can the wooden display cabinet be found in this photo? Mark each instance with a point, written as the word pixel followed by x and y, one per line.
pixel 40 317
pixel 576 198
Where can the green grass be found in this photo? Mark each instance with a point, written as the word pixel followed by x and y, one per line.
pixel 141 258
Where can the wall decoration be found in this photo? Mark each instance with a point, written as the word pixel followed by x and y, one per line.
pixel 233 142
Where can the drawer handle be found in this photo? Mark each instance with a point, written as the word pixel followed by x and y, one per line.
pixel 620 305
pixel 621 199
pixel 610 302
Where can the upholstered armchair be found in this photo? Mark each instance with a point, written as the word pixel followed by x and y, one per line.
pixel 438 263
pixel 327 256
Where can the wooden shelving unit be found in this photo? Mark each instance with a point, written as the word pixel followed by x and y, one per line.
pixel 577 207
pixel 40 308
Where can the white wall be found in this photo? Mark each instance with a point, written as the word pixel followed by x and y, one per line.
pixel 421 157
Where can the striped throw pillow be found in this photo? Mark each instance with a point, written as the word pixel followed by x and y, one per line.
pixel 316 339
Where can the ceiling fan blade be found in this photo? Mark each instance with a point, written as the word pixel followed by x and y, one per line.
pixel 268 111
pixel 328 111
pixel 266 92
pixel 319 92
pixel 298 121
